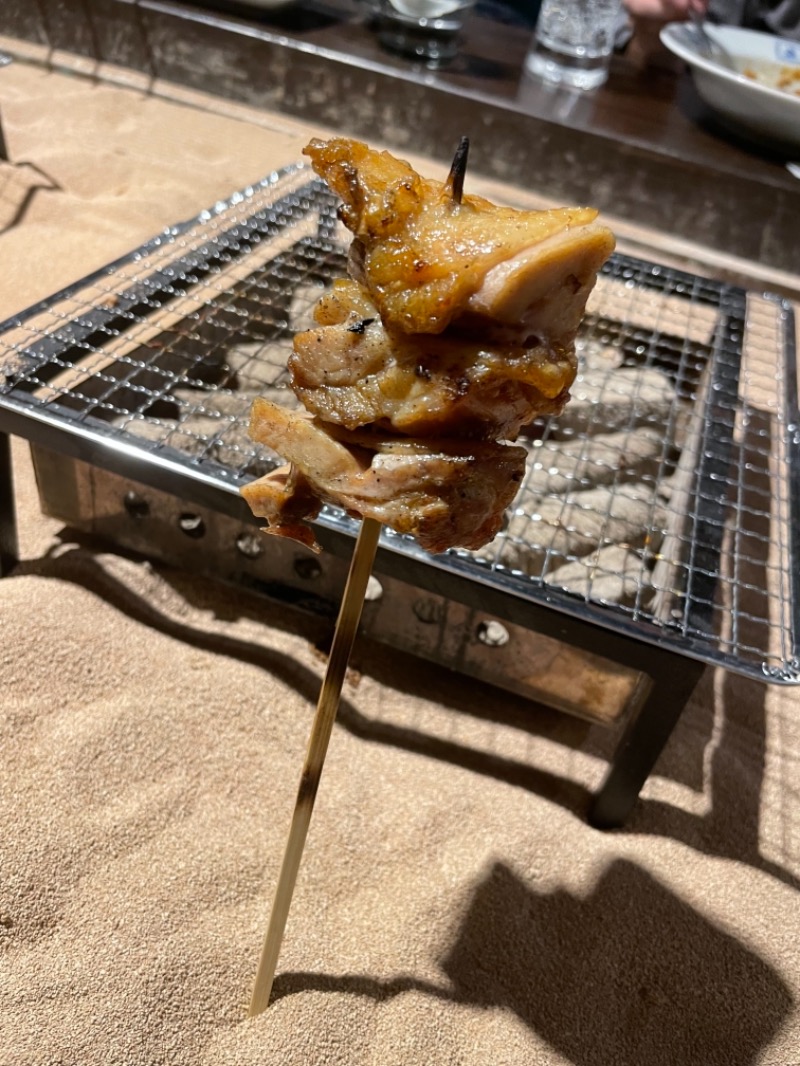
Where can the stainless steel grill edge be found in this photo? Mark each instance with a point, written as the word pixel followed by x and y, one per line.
pixel 659 515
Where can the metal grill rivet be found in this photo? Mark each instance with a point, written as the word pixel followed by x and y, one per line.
pixel 251 545
pixel 136 505
pixel 430 612
pixel 192 525
pixel 493 634
pixel 308 569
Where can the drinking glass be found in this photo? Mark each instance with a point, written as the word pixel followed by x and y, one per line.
pixel 573 41
pixel 423 29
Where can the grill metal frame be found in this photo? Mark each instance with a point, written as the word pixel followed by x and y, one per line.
pixel 175 275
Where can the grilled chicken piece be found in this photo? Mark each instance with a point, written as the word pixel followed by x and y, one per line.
pixel 288 502
pixel 354 372
pixel 445 493
pixel 456 329
pixel 426 257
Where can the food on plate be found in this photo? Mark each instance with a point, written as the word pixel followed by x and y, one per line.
pixel 455 328
pixel 773 75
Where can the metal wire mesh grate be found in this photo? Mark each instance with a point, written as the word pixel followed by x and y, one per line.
pixel 660 503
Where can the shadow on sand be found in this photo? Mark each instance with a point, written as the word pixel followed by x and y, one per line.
pixel 630 975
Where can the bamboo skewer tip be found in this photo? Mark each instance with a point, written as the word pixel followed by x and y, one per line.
pixel 454 184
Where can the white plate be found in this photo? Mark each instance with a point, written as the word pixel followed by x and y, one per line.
pixel 744 102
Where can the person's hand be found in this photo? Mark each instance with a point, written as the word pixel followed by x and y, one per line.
pixel 646 18
pixel 663 11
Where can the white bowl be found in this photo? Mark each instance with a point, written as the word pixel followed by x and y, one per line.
pixel 743 102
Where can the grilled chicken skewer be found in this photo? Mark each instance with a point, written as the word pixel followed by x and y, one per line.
pixel 457 327
pixel 458 323
pixel 428 258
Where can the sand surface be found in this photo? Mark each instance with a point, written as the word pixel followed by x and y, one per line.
pixel 453 907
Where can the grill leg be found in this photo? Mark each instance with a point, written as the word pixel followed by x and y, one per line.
pixel 643 740
pixel 5 59
pixel 9 548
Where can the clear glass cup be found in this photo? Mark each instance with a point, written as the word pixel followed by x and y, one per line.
pixel 573 41
pixel 420 29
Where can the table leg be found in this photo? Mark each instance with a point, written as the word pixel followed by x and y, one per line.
pixel 9 548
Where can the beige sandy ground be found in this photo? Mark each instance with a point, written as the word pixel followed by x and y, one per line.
pixel 453 906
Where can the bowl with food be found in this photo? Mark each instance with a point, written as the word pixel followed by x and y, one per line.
pixel 750 79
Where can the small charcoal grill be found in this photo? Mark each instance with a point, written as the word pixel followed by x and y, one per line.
pixel 657 529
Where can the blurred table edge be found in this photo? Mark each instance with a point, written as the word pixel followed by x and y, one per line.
pixel 631 151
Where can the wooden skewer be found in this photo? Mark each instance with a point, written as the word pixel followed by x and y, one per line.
pixel 327 706
pixel 455 179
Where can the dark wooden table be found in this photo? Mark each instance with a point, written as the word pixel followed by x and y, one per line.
pixel 642 147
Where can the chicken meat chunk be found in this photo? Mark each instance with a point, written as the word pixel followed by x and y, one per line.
pixel 353 372
pixel 427 257
pixel 444 493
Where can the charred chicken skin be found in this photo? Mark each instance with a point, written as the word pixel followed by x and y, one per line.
pixel 456 328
